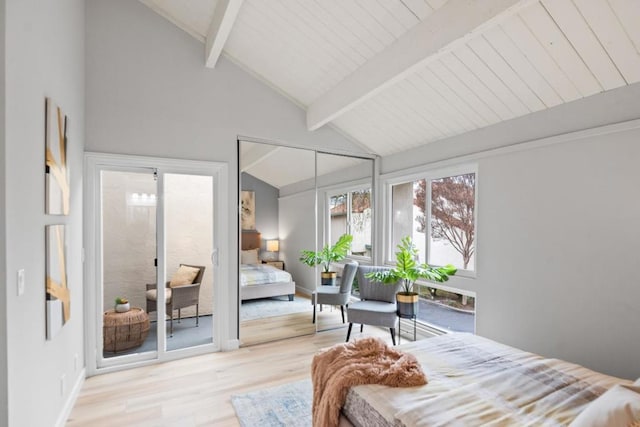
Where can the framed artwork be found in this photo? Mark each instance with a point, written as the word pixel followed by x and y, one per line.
pixel 58 301
pixel 56 171
pixel 248 210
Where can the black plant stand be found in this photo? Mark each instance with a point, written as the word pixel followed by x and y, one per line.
pixel 404 316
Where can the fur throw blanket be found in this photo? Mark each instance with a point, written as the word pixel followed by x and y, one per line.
pixel 364 361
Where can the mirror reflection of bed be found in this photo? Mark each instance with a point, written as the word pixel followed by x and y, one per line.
pixel 270 309
pixel 285 194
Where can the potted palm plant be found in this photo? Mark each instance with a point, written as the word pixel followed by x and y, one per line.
pixel 407 271
pixel 326 256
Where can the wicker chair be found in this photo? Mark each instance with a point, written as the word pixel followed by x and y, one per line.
pixel 177 297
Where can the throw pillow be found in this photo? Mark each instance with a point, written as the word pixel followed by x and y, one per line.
pixel 184 276
pixel 249 257
pixel 618 406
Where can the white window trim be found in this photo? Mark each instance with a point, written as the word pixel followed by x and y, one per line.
pixel 336 190
pixel 389 180
pixel 94 163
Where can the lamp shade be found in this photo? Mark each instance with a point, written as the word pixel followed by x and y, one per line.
pixel 273 245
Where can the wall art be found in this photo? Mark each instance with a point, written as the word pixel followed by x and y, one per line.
pixel 58 298
pixel 56 171
pixel 248 210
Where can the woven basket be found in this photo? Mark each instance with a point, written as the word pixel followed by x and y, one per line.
pixel 123 331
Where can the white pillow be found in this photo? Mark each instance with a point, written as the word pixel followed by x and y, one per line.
pixel 618 406
pixel 249 257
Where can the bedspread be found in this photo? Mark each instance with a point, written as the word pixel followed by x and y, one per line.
pixel 476 381
pixel 259 274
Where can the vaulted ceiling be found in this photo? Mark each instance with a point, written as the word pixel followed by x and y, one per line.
pixel 396 74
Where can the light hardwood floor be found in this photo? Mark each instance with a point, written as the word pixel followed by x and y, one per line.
pixel 197 391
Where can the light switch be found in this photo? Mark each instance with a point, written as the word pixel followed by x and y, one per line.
pixel 20 281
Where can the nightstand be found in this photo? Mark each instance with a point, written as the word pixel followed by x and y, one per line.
pixel 276 264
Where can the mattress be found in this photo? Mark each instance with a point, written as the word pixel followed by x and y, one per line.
pixel 260 274
pixel 475 381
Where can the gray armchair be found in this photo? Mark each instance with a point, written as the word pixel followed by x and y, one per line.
pixel 336 295
pixel 177 297
pixel 378 305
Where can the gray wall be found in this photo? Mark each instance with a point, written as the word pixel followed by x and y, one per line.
pixel 3 242
pixel 557 232
pixel 297 227
pixel 148 93
pixel 266 197
pixel 557 255
pixel 44 57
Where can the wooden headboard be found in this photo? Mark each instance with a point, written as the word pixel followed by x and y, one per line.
pixel 250 240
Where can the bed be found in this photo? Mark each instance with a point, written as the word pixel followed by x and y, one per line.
pixel 476 381
pixel 259 280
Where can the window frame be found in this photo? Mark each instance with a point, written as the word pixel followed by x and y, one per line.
pixel 429 175
pixel 330 192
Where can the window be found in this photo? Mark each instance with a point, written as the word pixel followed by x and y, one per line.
pixel 350 212
pixel 452 236
pixel 439 215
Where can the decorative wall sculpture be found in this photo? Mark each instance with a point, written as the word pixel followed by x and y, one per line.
pixel 58 298
pixel 56 172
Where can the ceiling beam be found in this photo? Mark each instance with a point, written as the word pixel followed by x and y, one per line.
pixel 255 154
pixel 456 22
pixel 221 24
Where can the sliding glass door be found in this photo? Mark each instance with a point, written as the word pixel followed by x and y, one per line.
pixel 188 224
pixel 128 229
pixel 153 263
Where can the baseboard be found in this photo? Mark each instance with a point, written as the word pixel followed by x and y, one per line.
pixel 71 400
pixel 231 345
pixel 303 291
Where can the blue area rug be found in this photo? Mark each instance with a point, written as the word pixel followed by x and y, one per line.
pixel 284 405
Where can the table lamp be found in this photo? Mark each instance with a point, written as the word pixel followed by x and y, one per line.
pixel 273 246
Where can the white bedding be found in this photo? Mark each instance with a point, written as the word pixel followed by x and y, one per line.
pixel 260 274
pixel 474 381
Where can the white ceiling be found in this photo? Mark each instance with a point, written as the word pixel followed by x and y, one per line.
pixel 281 166
pixel 396 74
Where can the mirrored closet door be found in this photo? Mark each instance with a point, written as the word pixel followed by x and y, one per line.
pixel 284 210
pixel 274 227
pixel 345 206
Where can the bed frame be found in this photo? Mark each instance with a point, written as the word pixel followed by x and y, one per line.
pixel 251 240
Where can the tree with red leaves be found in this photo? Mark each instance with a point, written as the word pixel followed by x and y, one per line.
pixel 452 211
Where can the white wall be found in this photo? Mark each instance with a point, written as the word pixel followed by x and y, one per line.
pixel 3 253
pixel 149 93
pixel 558 227
pixel 44 57
pixel 557 254
pixel 297 227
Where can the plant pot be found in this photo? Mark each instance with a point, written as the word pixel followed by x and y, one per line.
pixel 122 308
pixel 328 278
pixel 407 304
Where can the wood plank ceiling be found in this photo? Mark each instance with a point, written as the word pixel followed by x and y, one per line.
pixel 531 56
